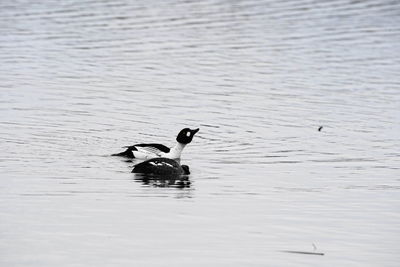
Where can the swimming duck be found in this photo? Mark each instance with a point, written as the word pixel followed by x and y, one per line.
pixel 161 166
pixel 151 150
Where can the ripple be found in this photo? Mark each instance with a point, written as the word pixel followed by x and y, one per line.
pixel 79 79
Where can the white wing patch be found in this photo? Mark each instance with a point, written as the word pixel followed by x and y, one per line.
pixel 149 150
pixel 168 164
pixel 161 164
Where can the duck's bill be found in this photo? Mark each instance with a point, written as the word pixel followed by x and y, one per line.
pixel 195 131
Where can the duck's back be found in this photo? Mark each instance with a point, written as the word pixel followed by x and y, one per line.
pixel 159 166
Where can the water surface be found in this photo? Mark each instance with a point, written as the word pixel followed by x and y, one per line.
pixel 80 79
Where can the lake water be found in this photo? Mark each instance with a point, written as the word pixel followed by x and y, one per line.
pixel 81 79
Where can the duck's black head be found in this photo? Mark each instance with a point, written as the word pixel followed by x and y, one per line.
pixel 185 169
pixel 185 136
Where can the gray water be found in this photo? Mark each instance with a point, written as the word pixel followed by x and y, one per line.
pixel 81 79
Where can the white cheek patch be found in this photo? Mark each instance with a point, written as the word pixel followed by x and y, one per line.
pixel 188 134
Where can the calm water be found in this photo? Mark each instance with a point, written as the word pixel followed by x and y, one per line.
pixel 80 79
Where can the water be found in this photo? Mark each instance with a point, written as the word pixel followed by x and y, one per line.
pixel 80 79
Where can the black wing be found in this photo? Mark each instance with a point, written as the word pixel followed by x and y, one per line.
pixel 160 147
pixel 147 148
pixel 160 166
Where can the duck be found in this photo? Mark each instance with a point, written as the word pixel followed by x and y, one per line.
pixel 161 166
pixel 153 150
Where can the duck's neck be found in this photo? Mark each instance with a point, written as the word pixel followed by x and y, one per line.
pixel 176 151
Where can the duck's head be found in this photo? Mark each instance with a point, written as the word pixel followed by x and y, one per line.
pixel 185 169
pixel 185 136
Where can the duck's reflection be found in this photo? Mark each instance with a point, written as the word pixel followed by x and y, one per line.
pixel 174 181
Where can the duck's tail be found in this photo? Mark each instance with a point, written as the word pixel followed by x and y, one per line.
pixel 127 153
